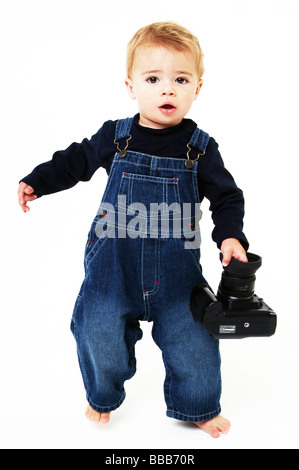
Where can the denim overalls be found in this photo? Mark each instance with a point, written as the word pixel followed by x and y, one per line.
pixel 138 268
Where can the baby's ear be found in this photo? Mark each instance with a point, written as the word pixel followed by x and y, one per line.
pixel 200 83
pixel 129 85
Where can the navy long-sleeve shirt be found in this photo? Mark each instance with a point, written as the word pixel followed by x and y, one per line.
pixel 81 160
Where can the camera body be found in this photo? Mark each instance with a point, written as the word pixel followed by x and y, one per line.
pixel 236 312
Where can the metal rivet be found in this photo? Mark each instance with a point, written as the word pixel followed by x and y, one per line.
pixel 189 164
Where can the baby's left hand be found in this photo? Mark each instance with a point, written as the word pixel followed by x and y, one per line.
pixel 231 247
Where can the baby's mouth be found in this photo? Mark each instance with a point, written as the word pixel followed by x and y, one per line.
pixel 167 108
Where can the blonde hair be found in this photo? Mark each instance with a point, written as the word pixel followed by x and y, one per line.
pixel 167 34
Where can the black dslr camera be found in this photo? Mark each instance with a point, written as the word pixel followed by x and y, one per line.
pixel 236 312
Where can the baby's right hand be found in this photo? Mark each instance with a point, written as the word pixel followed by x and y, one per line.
pixel 25 194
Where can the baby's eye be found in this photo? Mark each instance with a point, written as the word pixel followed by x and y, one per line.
pixel 152 80
pixel 181 80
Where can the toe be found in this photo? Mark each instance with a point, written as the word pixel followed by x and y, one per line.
pixel 105 417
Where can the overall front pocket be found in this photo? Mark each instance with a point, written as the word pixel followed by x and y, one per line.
pixel 148 192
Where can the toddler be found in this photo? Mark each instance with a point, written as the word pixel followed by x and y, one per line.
pixel 142 256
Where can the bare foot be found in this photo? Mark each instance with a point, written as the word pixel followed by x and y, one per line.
pixel 97 417
pixel 215 426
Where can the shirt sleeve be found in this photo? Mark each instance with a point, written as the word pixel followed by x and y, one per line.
pixel 226 199
pixel 77 163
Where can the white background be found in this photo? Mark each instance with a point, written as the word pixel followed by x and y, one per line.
pixel 62 76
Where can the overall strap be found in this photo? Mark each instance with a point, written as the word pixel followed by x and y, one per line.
pixel 199 140
pixel 123 128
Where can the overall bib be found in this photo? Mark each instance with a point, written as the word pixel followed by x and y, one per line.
pixel 139 266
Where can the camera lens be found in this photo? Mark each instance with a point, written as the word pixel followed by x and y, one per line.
pixel 238 279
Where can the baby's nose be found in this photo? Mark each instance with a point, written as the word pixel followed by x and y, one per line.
pixel 167 91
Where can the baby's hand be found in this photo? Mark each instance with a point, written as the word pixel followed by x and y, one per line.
pixel 232 248
pixel 25 194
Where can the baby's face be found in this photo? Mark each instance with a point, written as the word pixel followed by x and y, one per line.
pixel 165 83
